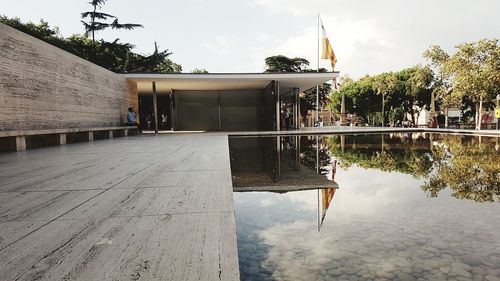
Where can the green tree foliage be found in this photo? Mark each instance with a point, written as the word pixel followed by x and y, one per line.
pixel 115 56
pixel 199 71
pixel 98 21
pixel 442 84
pixel 359 98
pixel 158 62
pixel 393 93
pixel 473 73
pixel 414 90
pixel 283 64
pixel 384 84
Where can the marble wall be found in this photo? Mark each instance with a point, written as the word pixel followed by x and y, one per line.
pixel 44 87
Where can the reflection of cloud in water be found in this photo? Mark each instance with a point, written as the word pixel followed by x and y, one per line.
pixel 379 226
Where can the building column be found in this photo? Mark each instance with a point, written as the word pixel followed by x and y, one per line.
pixel 173 121
pixel 299 115
pixel 297 110
pixel 155 107
pixel 91 136
pixel 62 139
pixel 278 105
pixel 20 143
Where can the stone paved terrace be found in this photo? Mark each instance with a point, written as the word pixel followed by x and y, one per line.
pixel 136 208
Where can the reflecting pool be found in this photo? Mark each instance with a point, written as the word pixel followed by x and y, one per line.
pixel 406 206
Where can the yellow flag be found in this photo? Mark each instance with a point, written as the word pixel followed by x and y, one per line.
pixel 327 52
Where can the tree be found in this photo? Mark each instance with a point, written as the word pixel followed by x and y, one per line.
pixel 473 71
pixel 415 89
pixel 384 84
pixel 283 64
pixel 359 96
pixel 199 71
pixel 442 86
pixel 94 25
pixel 158 62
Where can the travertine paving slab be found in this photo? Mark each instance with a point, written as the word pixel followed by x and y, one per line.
pixel 183 178
pixel 15 230
pixel 137 208
pixel 97 174
pixel 170 247
pixel 27 206
pixel 155 201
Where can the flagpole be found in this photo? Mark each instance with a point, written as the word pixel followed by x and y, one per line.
pixel 317 86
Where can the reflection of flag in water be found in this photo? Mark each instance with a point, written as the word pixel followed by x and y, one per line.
pixel 327 195
pixel 326 198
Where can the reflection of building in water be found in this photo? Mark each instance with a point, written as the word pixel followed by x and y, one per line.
pixel 279 164
pixel 282 164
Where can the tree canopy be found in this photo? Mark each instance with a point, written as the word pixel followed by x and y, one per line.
pixel 472 73
pixel 93 24
pixel 115 56
pixel 283 64
pixel 393 93
pixel 468 79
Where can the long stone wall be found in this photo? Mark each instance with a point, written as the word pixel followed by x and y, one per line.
pixel 44 87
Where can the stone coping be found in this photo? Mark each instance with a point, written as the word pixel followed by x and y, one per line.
pixel 363 130
pixel 60 131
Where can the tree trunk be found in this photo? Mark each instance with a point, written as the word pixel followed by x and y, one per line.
pixel 412 112
pixel 92 24
pixel 446 118
pixel 383 114
pixel 479 111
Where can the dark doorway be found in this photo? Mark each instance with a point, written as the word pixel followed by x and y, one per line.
pixel 146 112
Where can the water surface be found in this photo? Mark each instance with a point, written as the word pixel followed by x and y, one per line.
pixel 367 207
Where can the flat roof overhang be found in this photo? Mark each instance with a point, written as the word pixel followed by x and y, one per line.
pixel 228 81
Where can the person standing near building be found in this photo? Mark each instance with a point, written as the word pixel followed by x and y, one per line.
pixel 164 120
pixel 434 122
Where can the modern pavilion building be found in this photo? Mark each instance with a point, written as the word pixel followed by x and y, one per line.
pixel 224 102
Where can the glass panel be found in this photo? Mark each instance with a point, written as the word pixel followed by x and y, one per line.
pixel 197 110
pixel 240 110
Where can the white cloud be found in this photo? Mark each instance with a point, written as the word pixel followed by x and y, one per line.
pixel 375 36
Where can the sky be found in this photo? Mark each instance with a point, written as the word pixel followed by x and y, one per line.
pixel 367 36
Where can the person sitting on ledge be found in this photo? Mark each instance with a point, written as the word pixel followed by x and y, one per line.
pixel 131 115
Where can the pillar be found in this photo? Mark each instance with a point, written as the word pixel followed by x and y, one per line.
pixel 62 139
pixel 20 143
pixel 125 133
pixel 172 111
pixel 110 134
pixel 276 92
pixel 91 136
pixel 155 107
